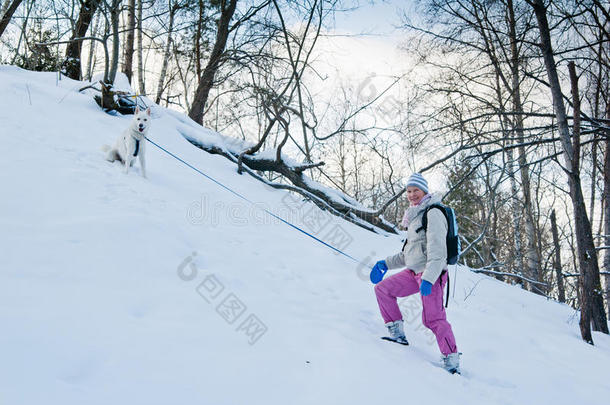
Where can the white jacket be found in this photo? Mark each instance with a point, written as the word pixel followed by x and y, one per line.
pixel 425 251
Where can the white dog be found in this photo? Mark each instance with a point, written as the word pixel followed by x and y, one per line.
pixel 131 143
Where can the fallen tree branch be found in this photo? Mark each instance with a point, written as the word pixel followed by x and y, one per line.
pixel 390 201
pixel 301 185
pixel 503 273
pixel 301 169
pixel 603 273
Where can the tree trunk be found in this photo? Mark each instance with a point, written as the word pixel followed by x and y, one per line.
pixel 6 17
pixel 72 63
pixel 511 171
pixel 587 255
pixel 206 81
pixel 129 49
pixel 141 84
pixel 593 179
pixel 90 60
pixel 516 210
pixel 606 205
pixel 198 40
pixel 115 12
pixel 5 5
pixel 23 30
pixel 166 53
pixel 532 251
pixel 594 148
pixel 557 259
pixel 598 313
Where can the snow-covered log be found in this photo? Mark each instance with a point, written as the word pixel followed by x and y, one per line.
pixel 332 200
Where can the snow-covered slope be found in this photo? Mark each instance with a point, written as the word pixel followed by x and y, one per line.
pixel 116 289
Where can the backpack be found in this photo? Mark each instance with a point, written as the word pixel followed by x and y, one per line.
pixel 453 239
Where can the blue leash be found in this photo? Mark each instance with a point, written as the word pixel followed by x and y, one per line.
pixel 247 200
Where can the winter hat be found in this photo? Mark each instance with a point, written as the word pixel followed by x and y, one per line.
pixel 417 180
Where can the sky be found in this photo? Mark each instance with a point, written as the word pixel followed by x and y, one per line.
pixel 365 42
pixel 379 18
pixel 363 53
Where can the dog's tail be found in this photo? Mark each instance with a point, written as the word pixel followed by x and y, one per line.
pixel 105 148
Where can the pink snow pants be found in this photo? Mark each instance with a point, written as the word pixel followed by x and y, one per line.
pixel 434 317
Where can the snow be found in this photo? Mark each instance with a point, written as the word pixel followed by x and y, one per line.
pixel 105 302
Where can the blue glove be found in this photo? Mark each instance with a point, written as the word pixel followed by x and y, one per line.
pixel 378 271
pixel 425 288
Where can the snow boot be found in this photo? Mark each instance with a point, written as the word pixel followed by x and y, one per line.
pixel 451 363
pixel 397 333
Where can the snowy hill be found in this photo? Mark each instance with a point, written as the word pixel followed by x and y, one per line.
pixel 170 290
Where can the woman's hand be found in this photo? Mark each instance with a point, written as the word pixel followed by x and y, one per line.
pixel 378 271
pixel 425 288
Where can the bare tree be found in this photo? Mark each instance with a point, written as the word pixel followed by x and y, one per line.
pixel 92 48
pixel 114 9
pixel 557 259
pixel 173 9
pixel 587 254
pixel 129 41
pixel 72 66
pixel 206 81
pixel 8 14
pixel 533 254
pixel 606 205
pixel 491 40
pixel 141 82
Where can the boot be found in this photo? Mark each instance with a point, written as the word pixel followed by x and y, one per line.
pixel 397 332
pixel 451 363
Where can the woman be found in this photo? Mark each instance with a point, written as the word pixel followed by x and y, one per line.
pixel 424 257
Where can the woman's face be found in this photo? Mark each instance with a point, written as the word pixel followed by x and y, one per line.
pixel 414 195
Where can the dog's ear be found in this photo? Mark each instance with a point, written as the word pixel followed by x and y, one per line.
pixel 137 109
pixel 148 111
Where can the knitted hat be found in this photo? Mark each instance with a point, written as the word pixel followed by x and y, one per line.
pixel 417 180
